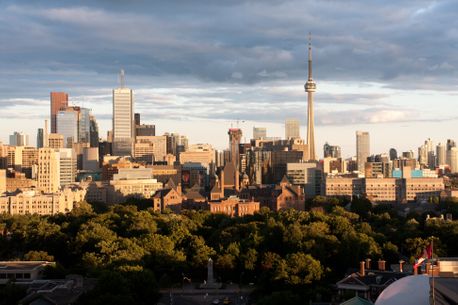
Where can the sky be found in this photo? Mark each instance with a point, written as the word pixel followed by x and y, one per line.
pixel 199 67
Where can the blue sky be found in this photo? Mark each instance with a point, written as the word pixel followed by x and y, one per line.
pixel 196 67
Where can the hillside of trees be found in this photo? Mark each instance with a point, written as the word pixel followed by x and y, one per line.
pixel 290 256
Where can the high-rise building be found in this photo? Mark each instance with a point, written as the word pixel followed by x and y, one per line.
pixel 93 132
pixel 40 138
pixel 84 125
pixel 362 149
pixel 235 135
pixel 67 125
pixel 19 139
pixel 440 154
pixel 123 120
pixel 259 133
pixel 59 100
pixel 310 88
pixel 332 151
pixel 67 166
pixel 393 154
pixel 292 129
pixel 48 174
pixel 452 155
pixel 450 144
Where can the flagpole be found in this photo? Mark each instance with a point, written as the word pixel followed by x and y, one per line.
pixel 432 271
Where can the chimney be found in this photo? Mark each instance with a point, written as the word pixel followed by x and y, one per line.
pixel 381 265
pixel 368 263
pixel 362 272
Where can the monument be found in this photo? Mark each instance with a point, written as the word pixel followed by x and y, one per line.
pixel 210 283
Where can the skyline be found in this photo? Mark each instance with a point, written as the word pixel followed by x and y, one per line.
pixel 213 73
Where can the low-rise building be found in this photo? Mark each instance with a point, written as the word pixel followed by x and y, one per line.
pixel 22 270
pixel 35 202
pixel 234 207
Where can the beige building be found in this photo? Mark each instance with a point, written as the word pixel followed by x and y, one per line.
pixel 150 148
pixel 362 149
pixel 123 120
pixel 132 182
pixel 343 186
pixel 48 174
pixel 2 181
pixel 382 189
pixel 421 189
pixel 35 202
pixel 385 189
pixel 67 166
pixel 55 140
pixel 198 153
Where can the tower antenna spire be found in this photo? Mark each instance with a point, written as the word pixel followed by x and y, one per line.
pixel 310 55
pixel 122 79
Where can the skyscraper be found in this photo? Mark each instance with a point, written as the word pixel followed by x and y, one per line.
pixel 123 119
pixel 40 138
pixel 93 132
pixel 67 125
pixel 440 154
pixel 48 174
pixel 59 100
pixel 235 135
pixel 292 128
pixel 84 125
pixel 310 88
pixel 362 149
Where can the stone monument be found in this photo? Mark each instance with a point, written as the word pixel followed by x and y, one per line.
pixel 210 283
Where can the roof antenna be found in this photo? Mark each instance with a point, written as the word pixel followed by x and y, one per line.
pixel 122 80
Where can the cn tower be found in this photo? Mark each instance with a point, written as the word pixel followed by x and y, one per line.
pixel 310 88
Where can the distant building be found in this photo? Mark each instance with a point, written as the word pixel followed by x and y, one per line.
pixel 40 138
pixel 441 154
pixel 199 153
pixel 35 202
pixel 307 175
pixel 145 130
pixel 48 175
pixel 55 141
pixel 59 100
pixel 235 135
pixel 259 133
pixel 123 120
pixel 292 129
pixel 234 207
pixel 19 139
pixel 150 148
pixel 67 125
pixel 93 132
pixel 393 154
pixel 332 151
pixel 362 149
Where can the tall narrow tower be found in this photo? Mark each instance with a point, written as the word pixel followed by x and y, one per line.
pixel 310 88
